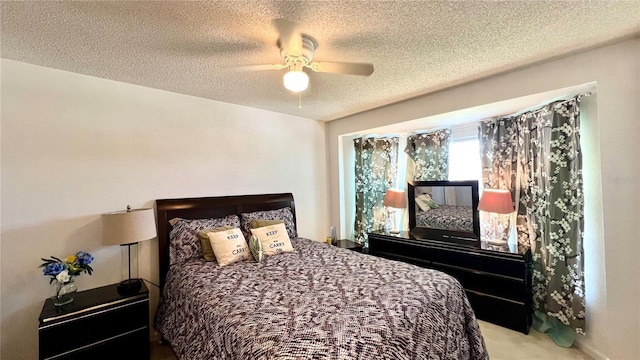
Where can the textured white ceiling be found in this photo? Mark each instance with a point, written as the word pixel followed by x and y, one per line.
pixel 417 47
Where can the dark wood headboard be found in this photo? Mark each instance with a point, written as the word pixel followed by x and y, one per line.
pixel 210 207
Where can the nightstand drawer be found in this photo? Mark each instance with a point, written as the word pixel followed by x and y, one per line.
pixel 94 327
pixel 123 346
pixel 99 324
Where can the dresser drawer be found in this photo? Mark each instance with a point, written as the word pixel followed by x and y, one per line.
pixel 499 311
pixel 397 248
pixel 482 282
pixel 502 263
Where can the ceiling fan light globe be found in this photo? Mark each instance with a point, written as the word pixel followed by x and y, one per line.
pixel 296 81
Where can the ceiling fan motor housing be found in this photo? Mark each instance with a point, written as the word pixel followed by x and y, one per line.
pixel 309 45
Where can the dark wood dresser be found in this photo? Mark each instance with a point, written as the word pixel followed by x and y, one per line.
pixel 498 284
pixel 98 324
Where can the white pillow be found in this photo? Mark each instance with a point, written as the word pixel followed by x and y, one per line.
pixel 229 246
pixel 429 201
pixel 422 203
pixel 274 239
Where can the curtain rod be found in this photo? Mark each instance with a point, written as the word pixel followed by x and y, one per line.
pixel 578 97
pixel 542 107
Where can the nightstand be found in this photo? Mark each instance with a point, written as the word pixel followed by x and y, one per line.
pixel 349 244
pixel 98 324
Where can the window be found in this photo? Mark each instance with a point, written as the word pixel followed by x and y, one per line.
pixel 464 160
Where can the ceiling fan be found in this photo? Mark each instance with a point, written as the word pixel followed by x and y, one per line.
pixel 297 51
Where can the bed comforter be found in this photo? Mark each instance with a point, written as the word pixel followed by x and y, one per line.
pixel 319 302
pixel 447 217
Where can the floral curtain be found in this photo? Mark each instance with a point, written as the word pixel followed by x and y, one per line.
pixel 376 165
pixel 548 191
pixel 554 199
pixel 430 155
pixel 498 140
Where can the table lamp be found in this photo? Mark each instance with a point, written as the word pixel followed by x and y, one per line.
pixel 127 228
pixel 496 201
pixel 393 199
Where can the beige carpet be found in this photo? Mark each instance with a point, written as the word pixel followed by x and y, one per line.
pixel 505 344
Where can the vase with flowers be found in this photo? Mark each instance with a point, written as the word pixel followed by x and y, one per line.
pixel 63 272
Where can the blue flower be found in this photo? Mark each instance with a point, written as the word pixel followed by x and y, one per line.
pixel 53 269
pixel 73 264
pixel 84 258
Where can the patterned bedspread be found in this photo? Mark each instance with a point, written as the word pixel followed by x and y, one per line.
pixel 447 217
pixel 319 302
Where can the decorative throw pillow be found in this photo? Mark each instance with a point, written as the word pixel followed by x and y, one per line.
pixel 422 203
pixel 205 244
pixel 274 239
pixel 229 246
pixel 255 246
pixel 429 201
pixel 184 243
pixel 284 214
pixel 262 223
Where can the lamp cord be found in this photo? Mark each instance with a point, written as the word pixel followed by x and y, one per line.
pixel 154 284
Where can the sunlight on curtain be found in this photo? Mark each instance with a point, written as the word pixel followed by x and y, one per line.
pixel 376 165
pixel 498 150
pixel 537 156
pixel 430 155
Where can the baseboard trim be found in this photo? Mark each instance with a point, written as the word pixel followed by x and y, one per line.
pixel 589 350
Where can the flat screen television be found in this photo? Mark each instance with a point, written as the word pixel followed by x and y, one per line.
pixel 444 211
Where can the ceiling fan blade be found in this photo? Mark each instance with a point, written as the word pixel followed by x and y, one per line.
pixel 260 67
pixel 362 69
pixel 289 39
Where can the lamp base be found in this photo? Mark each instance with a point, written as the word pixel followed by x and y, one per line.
pixel 129 286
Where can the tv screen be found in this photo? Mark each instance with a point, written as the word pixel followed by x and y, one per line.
pixel 444 211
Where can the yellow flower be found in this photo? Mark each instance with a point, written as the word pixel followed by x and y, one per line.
pixel 71 259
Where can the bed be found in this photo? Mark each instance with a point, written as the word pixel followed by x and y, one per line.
pixel 317 302
pixel 446 217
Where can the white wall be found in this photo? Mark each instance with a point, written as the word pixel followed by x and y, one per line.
pixel 75 146
pixel 612 142
pixel 1 208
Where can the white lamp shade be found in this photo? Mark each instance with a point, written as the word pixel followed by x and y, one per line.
pixel 496 201
pixel 128 227
pixel 395 199
pixel 296 80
